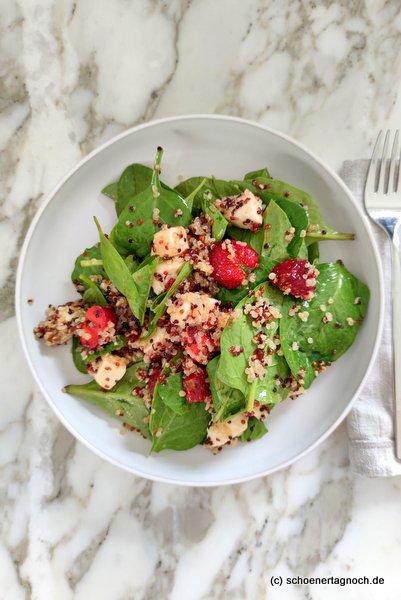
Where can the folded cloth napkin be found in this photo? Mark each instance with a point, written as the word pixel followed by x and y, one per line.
pixel 370 422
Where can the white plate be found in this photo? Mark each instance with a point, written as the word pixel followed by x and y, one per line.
pixel 195 145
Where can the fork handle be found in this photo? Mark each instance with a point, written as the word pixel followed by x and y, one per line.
pixel 396 310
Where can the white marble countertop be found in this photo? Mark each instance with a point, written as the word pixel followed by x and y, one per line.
pixel 73 75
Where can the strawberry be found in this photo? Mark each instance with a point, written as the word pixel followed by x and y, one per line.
pixel 100 316
pixel 88 336
pixel 196 386
pixel 232 262
pixel 153 379
pixel 198 345
pixel 295 276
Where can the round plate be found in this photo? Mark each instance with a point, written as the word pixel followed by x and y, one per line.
pixel 195 145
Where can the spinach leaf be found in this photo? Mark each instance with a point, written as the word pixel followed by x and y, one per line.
pixel 170 394
pixel 334 318
pixel 160 307
pixel 88 263
pixel 136 225
pixel 111 190
pixel 275 246
pixel 219 222
pixel 259 173
pixel 266 264
pixel 92 294
pixel 240 332
pixel 131 263
pixel 118 272
pixel 227 401
pixel 134 180
pixel 299 220
pixel 213 189
pixel 143 277
pixel 106 349
pixel 173 426
pixel 119 401
pixel 76 350
pixel 188 187
pixel 255 430
pixel 274 189
pixel 313 252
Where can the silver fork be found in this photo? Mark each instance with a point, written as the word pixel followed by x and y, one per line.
pixel 383 205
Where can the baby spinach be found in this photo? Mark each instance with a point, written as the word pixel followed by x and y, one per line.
pixel 120 275
pixel 255 430
pixel 143 277
pixel 274 245
pixel 160 307
pixel 137 225
pixel 88 263
pixel 334 317
pixel 173 425
pixel 92 294
pixel 259 173
pixel 131 263
pixel 240 332
pixel 227 401
pixel 111 190
pixel 170 394
pixel 106 349
pixel 134 179
pixel 226 296
pixel 76 350
pixel 119 401
pixel 212 190
pixel 219 222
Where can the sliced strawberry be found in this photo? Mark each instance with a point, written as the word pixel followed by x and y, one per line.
pixel 232 262
pixel 198 345
pixel 100 316
pixel 153 379
pixel 89 336
pixel 196 386
pixel 295 276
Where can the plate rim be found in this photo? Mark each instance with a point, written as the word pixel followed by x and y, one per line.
pixel 154 123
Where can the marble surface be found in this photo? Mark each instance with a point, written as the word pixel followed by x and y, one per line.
pixel 73 74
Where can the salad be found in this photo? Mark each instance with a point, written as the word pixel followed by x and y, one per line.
pixel 205 306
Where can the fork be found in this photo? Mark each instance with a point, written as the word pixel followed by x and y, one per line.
pixel 383 205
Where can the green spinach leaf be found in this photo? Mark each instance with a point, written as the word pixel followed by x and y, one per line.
pixel 334 318
pixel 88 263
pixel 259 173
pixel 172 426
pixel 111 190
pixel 118 272
pixel 119 401
pixel 136 225
pixel 160 307
pixel 255 430
pixel 92 294
pixel 227 401
pixel 219 222
pixel 240 333
pixel 134 179
pixel 170 394
pixel 76 350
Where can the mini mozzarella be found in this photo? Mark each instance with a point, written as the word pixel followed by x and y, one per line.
pixel 110 369
pixel 170 242
pixel 192 307
pixel 223 431
pixel 166 270
pixel 152 346
pixel 244 211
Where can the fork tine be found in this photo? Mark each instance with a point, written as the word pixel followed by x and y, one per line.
pixel 374 165
pixel 382 183
pixel 392 183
